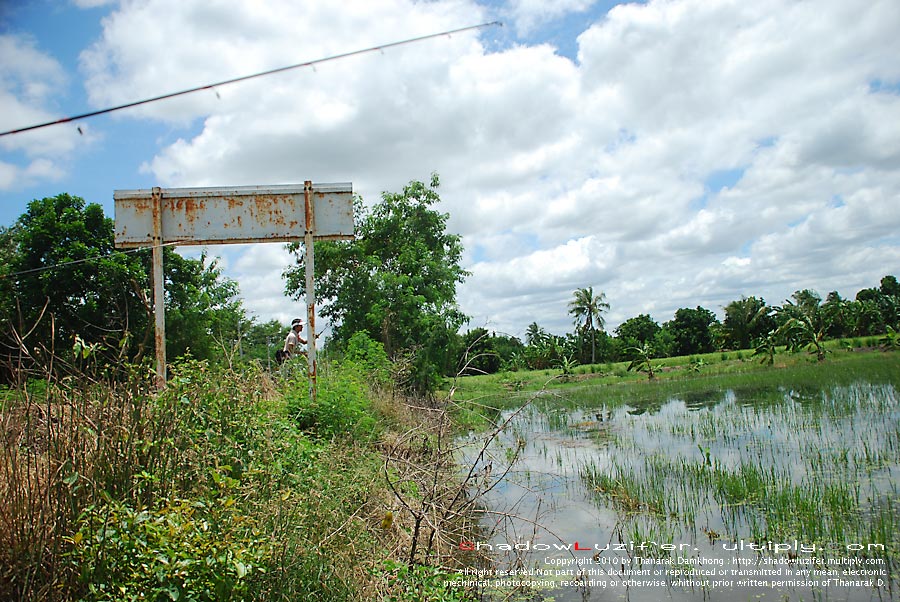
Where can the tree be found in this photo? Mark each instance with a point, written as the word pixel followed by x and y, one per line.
pixel 509 348
pixel 636 332
pixel 766 349
pixel 838 313
pixel 260 341
pixel 543 349
pixel 746 320
pixel 65 270
pixel 865 318
pixel 203 312
pixel 664 343
pixel 691 330
pixel 396 280
pixel 890 287
pixel 642 360
pixel 479 356
pixel 68 275
pixel 803 323
pixel 535 335
pixel 587 309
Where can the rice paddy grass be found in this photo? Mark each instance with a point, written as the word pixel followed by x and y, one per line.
pixel 808 453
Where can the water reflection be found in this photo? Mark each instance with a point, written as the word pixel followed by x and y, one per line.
pixel 730 494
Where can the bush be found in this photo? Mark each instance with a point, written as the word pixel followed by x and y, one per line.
pixel 341 406
pixel 369 355
pixel 184 550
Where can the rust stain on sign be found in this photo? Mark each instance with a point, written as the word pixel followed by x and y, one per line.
pixel 234 215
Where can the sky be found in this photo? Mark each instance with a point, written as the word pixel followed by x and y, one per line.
pixel 669 153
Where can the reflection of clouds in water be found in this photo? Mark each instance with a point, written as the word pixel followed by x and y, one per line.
pixel 780 435
pixel 544 485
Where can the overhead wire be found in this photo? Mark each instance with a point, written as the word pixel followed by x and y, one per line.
pixel 86 259
pixel 312 63
pixel 212 86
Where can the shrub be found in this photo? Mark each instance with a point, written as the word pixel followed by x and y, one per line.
pixel 340 407
pixel 369 355
pixel 184 550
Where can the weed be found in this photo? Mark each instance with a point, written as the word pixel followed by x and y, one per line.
pixel 341 407
pixel 404 583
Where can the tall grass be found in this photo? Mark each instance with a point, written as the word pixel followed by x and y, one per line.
pixel 205 491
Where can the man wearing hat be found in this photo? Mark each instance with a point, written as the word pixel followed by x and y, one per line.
pixel 292 339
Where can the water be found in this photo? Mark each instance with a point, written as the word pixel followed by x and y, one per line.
pixel 767 493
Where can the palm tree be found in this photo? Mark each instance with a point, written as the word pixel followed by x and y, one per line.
pixel 803 323
pixel 747 320
pixel 587 309
pixel 535 335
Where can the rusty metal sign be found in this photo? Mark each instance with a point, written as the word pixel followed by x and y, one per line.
pixel 193 216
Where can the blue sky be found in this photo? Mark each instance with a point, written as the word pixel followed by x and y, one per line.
pixel 669 153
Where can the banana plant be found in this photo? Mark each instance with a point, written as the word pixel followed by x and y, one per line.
pixel 891 339
pixel 804 324
pixel 642 361
pixel 766 350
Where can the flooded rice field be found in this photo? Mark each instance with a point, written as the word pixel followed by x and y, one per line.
pixel 754 493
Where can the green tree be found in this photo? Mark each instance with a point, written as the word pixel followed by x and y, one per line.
pixel 535 335
pixel 65 272
pixel 802 323
pixel 587 309
pixel 838 313
pixel 509 348
pixel 876 308
pixel 890 287
pixel 396 280
pixel 480 354
pixel 490 352
pixel 7 266
pixel 68 278
pixel 865 318
pixel 766 349
pixel 260 341
pixel 637 332
pixel 642 360
pixel 691 330
pixel 890 301
pixel 664 343
pixel 203 311
pixel 543 349
pixel 746 320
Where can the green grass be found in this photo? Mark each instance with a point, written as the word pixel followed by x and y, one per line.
pixel 802 450
pixel 720 369
pixel 219 488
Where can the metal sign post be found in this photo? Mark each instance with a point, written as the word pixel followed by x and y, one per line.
pixel 159 295
pixel 309 244
pixel 195 216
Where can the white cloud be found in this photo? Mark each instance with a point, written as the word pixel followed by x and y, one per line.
pixel 558 174
pixel 30 83
pixel 530 14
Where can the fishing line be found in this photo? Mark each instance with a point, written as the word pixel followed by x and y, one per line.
pixel 247 77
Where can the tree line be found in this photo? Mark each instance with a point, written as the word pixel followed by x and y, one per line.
pixel 64 287
pixel 805 321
